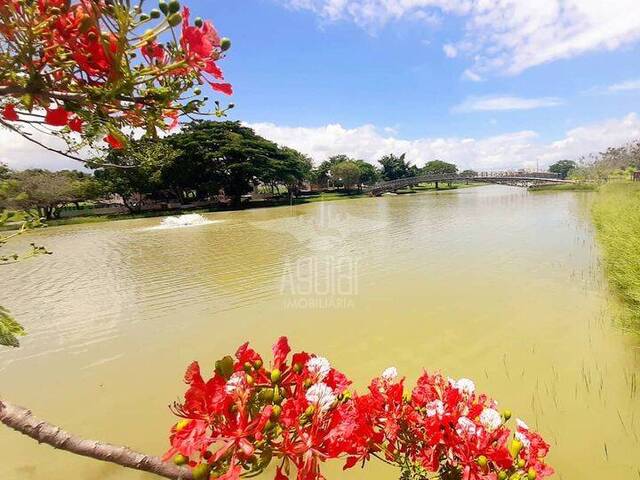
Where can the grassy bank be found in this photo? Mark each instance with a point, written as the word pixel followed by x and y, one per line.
pixel 616 213
pixel 566 187
pixel 321 197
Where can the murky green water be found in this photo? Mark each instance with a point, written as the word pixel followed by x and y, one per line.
pixel 493 283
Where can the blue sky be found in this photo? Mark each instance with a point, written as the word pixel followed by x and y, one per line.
pixel 485 84
pixel 292 67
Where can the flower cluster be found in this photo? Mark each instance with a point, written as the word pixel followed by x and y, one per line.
pixel 99 67
pixel 300 413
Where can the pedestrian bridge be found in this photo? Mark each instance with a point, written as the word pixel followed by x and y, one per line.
pixel 520 179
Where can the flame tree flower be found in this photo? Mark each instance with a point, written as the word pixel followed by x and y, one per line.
pixel 299 413
pixel 96 70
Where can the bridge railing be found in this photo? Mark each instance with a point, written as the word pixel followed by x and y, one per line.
pixel 451 177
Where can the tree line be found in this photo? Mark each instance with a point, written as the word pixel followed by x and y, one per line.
pixel 202 162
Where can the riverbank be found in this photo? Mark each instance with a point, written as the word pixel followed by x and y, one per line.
pixel 566 187
pixel 321 197
pixel 616 214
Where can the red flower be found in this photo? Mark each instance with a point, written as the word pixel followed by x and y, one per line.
pixel 57 117
pixel 225 88
pixel 9 112
pixel 75 124
pixel 114 142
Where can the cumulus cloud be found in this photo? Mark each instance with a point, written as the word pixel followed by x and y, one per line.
pixel 506 36
pixel 522 149
pixel 504 103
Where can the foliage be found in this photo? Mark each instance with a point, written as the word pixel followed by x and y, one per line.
pixel 438 166
pixel 395 167
pixel 563 167
pixel 142 165
pixel 346 174
pixel 617 219
pixel 301 413
pixel 615 162
pixel 88 70
pixel 469 173
pixel 10 330
pixel 47 191
pixel 227 155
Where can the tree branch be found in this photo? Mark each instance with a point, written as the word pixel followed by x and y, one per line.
pixel 21 420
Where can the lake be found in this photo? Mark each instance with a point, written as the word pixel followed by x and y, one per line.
pixel 494 283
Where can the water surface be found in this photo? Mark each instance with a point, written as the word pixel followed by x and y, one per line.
pixel 493 283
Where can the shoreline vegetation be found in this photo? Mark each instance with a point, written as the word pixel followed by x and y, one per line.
pixel 330 196
pixel 566 187
pixel 616 215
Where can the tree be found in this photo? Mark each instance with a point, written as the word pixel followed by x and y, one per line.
pixel 143 162
pixel 5 171
pixel 346 174
pixel 96 69
pixel 395 167
pixel 438 166
pixel 369 174
pixel 227 155
pixel 322 175
pixel 47 191
pixel 563 167
pixel 469 173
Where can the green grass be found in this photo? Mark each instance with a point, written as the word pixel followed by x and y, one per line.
pixel 566 187
pixel 616 214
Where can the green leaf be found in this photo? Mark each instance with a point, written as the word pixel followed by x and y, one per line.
pixel 10 330
pixel 224 367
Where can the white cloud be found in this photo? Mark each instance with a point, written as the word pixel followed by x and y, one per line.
pixel 449 50
pixel 507 36
pixel 19 153
pixel 504 103
pixel 627 86
pixel 511 150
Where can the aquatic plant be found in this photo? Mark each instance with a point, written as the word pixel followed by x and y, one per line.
pixel 300 413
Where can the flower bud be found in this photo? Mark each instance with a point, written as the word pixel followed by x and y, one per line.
pixel 514 447
pixel 307 383
pixel 267 395
pixel 200 472
pixel 144 17
pixel 247 367
pixel 250 381
pixel 174 19
pixel 502 475
pixel 310 410
pixel 174 6
pixel 277 396
pixel 531 474
pixel 275 375
pixel 297 367
pixel 164 8
pixel 225 44
pixel 275 412
pixel 506 414
pixel 231 105
pixel 181 425
pixel 258 363
pixel 180 460
pixel 155 13
pixel 198 22
pixel 482 461
pixel 521 462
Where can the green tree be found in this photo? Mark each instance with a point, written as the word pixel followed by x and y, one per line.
pixel 227 155
pixel 395 167
pixel 137 171
pixel 563 167
pixel 438 166
pixel 346 174
pixel 5 171
pixel 47 192
pixel 469 173
pixel 369 174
